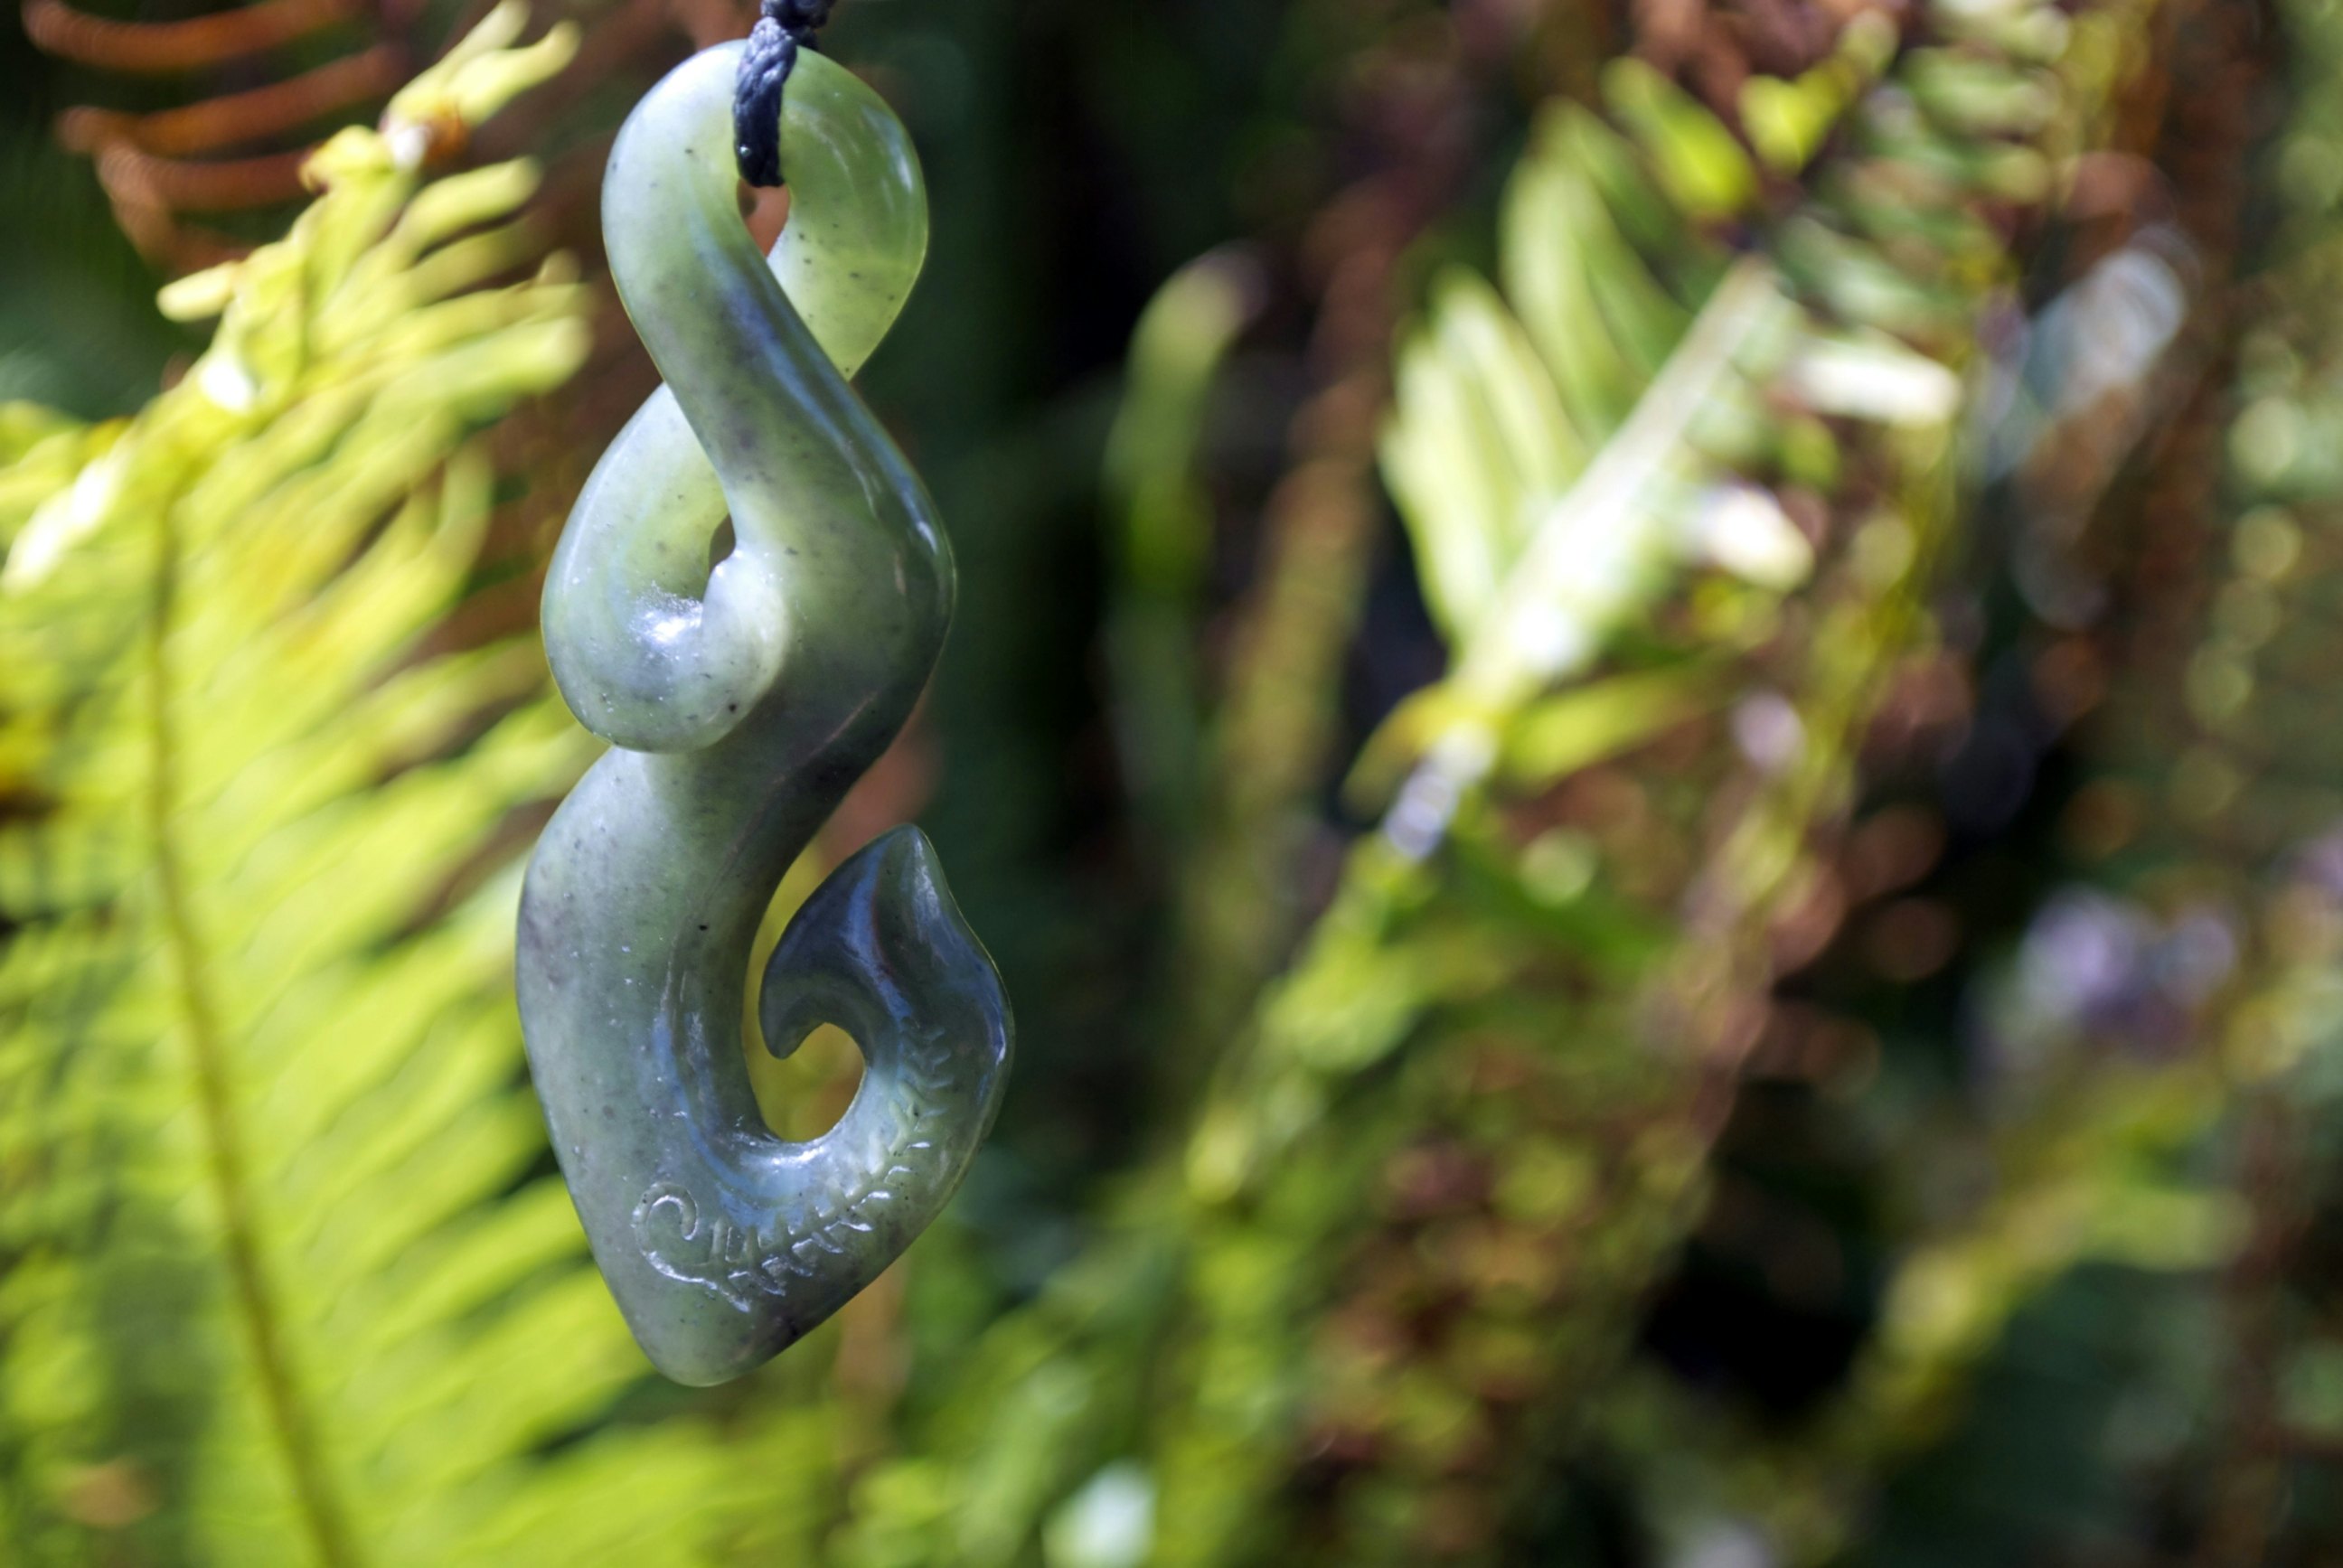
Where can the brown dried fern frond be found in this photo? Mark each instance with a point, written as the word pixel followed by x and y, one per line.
pixel 214 113
pixel 225 146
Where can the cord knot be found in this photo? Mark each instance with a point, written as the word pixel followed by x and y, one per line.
pixel 783 28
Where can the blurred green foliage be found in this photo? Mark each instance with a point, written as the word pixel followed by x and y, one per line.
pixel 1637 713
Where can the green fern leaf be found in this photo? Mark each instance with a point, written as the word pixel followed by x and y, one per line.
pixel 284 1274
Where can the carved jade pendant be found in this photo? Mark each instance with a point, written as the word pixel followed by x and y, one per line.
pixel 740 704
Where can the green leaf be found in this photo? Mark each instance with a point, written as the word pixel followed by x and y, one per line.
pixel 283 1275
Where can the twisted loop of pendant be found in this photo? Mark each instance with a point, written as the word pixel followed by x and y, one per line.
pixel 742 701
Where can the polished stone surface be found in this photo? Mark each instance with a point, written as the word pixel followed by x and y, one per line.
pixel 741 705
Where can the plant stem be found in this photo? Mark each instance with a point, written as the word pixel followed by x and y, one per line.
pixel 289 1417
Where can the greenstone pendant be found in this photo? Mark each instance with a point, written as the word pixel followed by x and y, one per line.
pixel 741 704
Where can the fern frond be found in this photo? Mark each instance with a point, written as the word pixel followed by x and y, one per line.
pixel 1559 469
pixel 1483 910
pixel 1648 480
pixel 155 166
pixel 284 1275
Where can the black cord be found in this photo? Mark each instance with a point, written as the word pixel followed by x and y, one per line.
pixel 783 27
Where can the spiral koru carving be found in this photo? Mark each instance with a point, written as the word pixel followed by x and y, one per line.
pixel 741 703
